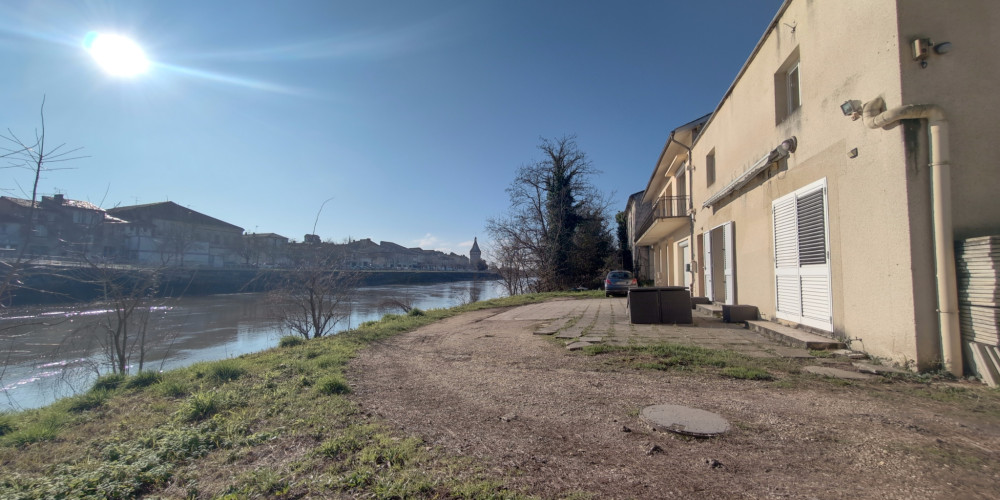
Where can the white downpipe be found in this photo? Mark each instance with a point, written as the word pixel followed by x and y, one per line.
pixel 944 234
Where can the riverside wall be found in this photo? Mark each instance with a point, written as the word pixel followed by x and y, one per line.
pixel 55 285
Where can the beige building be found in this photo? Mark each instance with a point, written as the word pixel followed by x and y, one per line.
pixel 814 182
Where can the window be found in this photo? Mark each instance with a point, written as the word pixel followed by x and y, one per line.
pixel 710 168
pixel 792 88
pixel 787 88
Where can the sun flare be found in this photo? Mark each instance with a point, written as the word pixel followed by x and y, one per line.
pixel 116 55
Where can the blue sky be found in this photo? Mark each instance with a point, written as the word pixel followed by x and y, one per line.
pixel 411 116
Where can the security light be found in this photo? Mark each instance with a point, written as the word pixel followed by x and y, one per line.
pixel 942 48
pixel 849 108
pixel 788 145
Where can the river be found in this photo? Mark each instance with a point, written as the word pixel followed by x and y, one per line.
pixel 47 353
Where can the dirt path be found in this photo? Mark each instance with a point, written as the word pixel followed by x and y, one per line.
pixel 554 423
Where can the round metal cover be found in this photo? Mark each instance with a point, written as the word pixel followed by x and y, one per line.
pixel 684 420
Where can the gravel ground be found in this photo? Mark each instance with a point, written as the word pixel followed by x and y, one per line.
pixel 555 423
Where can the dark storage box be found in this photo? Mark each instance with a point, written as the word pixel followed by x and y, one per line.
pixel 739 313
pixel 667 304
pixel 643 306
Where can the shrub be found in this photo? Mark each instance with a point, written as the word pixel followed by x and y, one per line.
pixel 143 379
pixel 108 382
pixel 225 371
pixel 333 384
pixel 291 341
pixel 415 312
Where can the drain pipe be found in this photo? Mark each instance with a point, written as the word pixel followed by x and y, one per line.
pixel 690 186
pixel 944 236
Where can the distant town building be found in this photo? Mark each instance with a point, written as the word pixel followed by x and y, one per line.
pixel 166 233
pixel 475 256
pixel 55 227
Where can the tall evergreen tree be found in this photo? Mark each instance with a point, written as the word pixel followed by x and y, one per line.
pixel 556 230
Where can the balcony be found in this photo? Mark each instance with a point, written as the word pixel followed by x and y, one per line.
pixel 668 214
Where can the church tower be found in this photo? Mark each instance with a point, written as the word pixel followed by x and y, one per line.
pixel 475 256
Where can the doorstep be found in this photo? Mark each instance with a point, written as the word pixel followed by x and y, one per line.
pixel 792 336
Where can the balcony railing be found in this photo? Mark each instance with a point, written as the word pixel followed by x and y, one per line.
pixel 663 208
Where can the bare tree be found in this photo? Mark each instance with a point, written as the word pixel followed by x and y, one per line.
pixel 30 155
pixel 128 298
pixel 175 243
pixel 553 235
pixel 317 294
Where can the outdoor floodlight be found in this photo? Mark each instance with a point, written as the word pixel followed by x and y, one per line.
pixel 849 108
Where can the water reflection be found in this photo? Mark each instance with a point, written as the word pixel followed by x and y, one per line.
pixel 51 352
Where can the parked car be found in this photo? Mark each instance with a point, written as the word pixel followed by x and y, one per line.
pixel 618 283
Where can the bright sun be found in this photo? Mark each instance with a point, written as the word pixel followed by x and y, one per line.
pixel 116 55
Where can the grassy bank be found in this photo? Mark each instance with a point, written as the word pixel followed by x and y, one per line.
pixel 275 423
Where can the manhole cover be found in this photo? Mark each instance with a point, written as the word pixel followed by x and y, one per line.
pixel 684 420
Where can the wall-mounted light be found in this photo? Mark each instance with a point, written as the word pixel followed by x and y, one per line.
pixel 942 48
pixel 787 147
pixel 851 108
pixel 922 49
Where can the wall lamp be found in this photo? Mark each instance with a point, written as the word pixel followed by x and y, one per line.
pixel 787 147
pixel 852 109
pixel 923 46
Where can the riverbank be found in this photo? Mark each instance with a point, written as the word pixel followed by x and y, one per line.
pixel 237 426
pixel 538 420
pixel 47 284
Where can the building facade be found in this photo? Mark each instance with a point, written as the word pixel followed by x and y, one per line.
pixel 821 186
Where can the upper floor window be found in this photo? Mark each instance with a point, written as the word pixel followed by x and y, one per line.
pixel 787 88
pixel 792 87
pixel 710 168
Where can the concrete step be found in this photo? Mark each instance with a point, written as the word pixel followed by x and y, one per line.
pixel 793 337
pixel 710 309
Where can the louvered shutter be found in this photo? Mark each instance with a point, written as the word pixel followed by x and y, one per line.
pixel 801 259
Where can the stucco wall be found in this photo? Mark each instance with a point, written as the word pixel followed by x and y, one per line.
pixel 963 82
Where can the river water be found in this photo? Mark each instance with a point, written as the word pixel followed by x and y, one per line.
pixel 47 353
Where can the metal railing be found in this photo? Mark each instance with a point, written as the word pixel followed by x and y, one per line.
pixel 664 207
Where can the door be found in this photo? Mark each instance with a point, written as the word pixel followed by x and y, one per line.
pixel 720 264
pixel 802 257
pixel 684 249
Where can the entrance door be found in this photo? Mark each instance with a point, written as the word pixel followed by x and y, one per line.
pixel 802 257
pixel 720 264
pixel 684 249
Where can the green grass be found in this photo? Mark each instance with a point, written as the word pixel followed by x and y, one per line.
pixel 108 382
pixel 332 384
pixel 225 371
pixel 6 424
pixel 291 341
pixel 143 379
pixel 187 428
pixel 746 373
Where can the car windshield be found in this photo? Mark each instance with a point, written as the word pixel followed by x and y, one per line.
pixel 620 275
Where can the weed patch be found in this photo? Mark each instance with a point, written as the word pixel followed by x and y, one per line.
pixel 200 406
pixel 6 424
pixel 225 371
pixel 89 400
pixel 746 373
pixel 143 379
pixel 108 382
pixel 291 341
pixel 333 384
